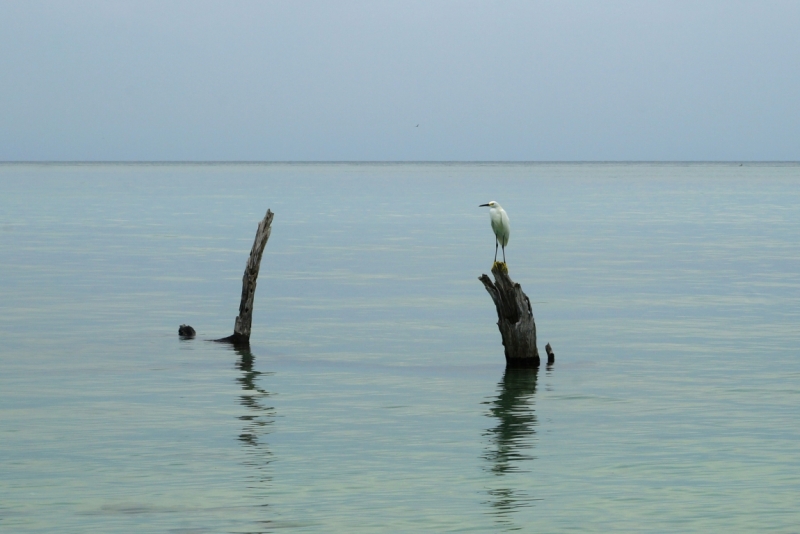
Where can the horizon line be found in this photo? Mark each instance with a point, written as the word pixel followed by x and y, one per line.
pixel 393 162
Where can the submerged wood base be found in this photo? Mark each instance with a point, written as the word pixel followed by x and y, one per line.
pixel 236 340
pixel 514 318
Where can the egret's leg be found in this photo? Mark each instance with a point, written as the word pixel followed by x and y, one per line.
pixel 495 250
pixel 504 253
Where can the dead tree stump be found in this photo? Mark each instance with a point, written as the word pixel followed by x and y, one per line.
pixel 241 328
pixel 514 318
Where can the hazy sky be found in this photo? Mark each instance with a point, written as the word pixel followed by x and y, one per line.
pixel 342 80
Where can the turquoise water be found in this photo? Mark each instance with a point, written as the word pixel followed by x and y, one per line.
pixel 374 397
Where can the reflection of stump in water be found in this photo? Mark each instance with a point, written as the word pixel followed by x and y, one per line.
pixel 512 438
pixel 260 417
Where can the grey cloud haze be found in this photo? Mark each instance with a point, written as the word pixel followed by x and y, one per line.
pixel 571 80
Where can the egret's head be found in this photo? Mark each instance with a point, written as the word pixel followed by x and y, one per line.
pixel 491 204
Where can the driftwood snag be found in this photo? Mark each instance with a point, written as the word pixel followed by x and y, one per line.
pixel 241 328
pixel 514 318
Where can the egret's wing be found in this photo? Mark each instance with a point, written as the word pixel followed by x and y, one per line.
pixel 506 228
pixel 497 223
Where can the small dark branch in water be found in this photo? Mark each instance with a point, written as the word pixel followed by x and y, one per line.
pixel 241 329
pixel 551 356
pixel 186 331
pixel 514 318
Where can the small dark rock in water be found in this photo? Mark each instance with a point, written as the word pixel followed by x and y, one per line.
pixel 551 356
pixel 186 331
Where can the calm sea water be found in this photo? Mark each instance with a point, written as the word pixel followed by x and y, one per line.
pixel 374 397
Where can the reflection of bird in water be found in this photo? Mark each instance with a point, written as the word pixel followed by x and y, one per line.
pixel 500 225
pixel 511 438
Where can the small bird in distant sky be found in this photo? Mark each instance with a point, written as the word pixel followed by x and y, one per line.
pixel 417 126
pixel 500 225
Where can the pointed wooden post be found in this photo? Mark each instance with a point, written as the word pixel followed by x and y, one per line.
pixel 514 318
pixel 241 328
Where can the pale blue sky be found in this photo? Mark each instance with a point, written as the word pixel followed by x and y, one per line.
pixel 350 80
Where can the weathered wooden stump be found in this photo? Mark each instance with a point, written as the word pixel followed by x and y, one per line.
pixel 241 328
pixel 514 318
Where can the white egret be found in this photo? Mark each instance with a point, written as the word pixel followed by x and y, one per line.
pixel 500 225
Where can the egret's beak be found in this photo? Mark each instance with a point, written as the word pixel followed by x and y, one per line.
pixel 482 205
